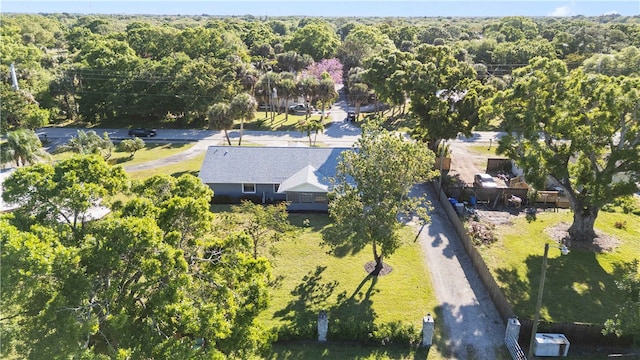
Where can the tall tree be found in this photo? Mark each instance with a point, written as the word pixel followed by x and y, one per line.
pixel 243 107
pixel 308 88
pixel 219 116
pixel 445 95
pixel 580 130
pixel 358 93
pixel 63 194
pixel 318 39
pixel 286 89
pixel 24 147
pixel 371 191
pixel 327 93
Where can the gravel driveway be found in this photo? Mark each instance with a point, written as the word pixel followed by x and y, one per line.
pixel 475 329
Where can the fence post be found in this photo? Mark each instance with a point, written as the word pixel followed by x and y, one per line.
pixel 323 326
pixel 427 330
pixel 513 329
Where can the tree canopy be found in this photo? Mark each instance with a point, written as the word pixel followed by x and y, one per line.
pixel 371 191
pixel 150 280
pixel 580 130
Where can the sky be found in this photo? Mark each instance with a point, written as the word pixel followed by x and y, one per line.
pixel 339 8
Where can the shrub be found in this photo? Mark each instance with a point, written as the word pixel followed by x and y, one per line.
pixel 396 333
pixel 350 330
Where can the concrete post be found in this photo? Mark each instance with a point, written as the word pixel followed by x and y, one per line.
pixel 513 329
pixel 323 326
pixel 427 330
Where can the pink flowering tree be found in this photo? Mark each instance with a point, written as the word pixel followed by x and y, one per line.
pixel 331 66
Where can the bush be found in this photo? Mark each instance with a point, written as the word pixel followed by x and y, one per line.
pixel 396 333
pixel 350 330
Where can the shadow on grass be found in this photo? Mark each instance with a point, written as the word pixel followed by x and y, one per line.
pixel 308 298
pixel 315 222
pixel 351 323
pixel 577 288
pixel 340 241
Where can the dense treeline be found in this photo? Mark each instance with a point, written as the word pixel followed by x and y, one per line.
pixel 167 71
pixel 153 279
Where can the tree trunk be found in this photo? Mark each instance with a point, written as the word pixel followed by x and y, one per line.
pixel 227 135
pixel 241 131
pixel 584 218
pixel 378 258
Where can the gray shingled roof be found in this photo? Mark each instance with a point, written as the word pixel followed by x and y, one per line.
pixel 266 165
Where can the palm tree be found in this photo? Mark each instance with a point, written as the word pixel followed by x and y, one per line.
pixel 24 147
pixel 326 93
pixel 358 93
pixel 311 127
pixel 287 88
pixel 243 107
pixel 308 88
pixel 265 87
pixel 219 116
pixel 89 143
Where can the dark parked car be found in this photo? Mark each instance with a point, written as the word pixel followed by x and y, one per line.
pixel 140 132
pixel 484 181
pixel 351 116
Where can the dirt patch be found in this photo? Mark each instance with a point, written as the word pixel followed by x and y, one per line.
pixel 601 243
pixel 371 265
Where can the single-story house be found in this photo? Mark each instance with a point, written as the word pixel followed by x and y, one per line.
pixel 299 175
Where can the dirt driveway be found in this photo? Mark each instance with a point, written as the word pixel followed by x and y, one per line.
pixel 475 330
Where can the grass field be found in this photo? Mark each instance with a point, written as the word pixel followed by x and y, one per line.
pixel 151 151
pixel 280 123
pixel 306 280
pixel 579 287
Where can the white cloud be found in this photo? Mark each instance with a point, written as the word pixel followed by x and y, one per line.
pixel 561 11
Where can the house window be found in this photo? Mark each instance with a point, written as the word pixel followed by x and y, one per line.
pixel 306 197
pixel 321 198
pixel 249 188
pixel 276 187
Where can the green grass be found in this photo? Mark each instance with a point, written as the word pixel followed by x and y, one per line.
pixel 189 166
pixel 306 279
pixel 484 150
pixel 280 122
pixel 151 151
pixel 579 287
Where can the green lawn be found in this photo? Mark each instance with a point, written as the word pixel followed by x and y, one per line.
pixel 151 151
pixel 579 287
pixel 306 279
pixel 189 166
pixel 280 122
pixel 484 150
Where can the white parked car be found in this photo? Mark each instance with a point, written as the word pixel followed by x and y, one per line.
pixel 484 181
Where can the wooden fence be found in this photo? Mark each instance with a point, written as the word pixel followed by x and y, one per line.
pixel 578 333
